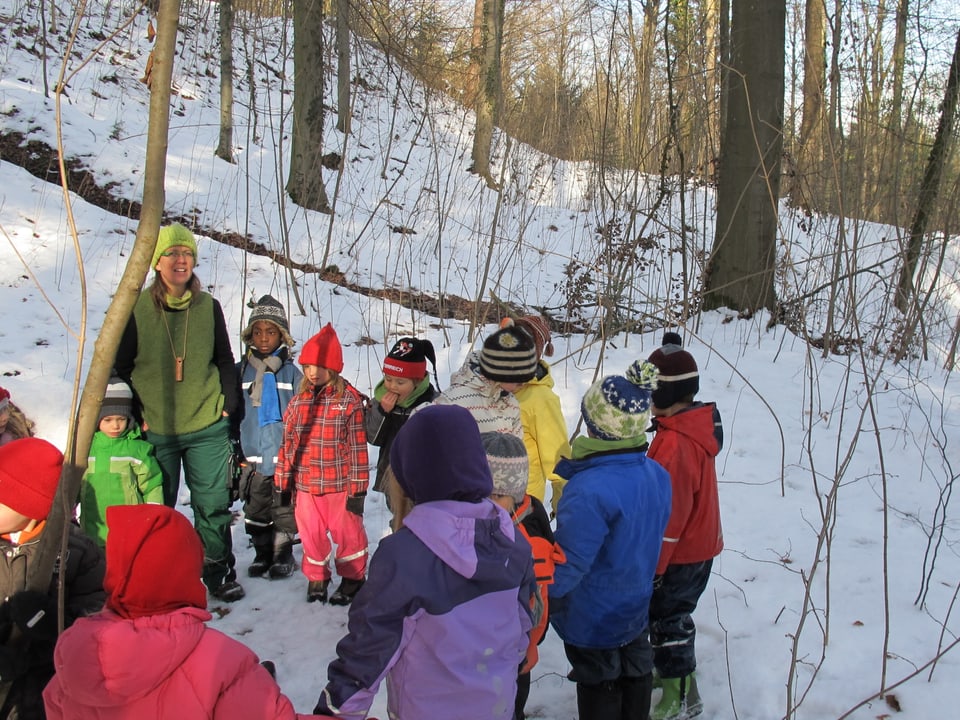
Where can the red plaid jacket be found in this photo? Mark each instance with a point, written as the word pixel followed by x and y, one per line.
pixel 324 446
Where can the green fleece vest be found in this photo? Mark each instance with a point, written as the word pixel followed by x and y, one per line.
pixel 196 402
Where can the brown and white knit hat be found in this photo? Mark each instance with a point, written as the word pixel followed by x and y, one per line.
pixel 509 465
pixel 270 309
pixel 539 330
pixel 509 356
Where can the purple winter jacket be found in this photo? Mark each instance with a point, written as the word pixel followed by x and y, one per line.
pixel 444 616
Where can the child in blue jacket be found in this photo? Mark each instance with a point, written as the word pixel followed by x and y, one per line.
pixel 610 523
pixel 269 378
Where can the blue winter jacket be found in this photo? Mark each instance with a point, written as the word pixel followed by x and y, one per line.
pixel 444 616
pixel 261 444
pixel 610 523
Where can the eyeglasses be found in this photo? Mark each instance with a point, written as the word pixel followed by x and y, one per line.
pixel 177 254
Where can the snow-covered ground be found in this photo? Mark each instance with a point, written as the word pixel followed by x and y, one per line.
pixel 837 471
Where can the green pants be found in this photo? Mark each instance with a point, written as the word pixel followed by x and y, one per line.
pixel 203 455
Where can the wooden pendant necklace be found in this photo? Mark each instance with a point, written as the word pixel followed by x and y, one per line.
pixel 177 359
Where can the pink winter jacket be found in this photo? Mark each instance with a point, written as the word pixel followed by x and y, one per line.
pixel 156 667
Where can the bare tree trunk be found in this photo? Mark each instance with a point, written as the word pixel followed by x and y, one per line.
pixel 740 273
pixel 488 94
pixel 814 83
pixel 471 86
pixel 305 181
pixel 53 539
pixel 343 66
pixel 224 149
pixel 724 42
pixel 930 187
pixel 899 60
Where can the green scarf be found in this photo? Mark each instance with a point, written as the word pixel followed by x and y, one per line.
pixel 584 445
pixel 409 400
pixel 179 303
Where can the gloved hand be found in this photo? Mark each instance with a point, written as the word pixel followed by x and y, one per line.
pixel 657 582
pixel 239 470
pixel 34 613
pixel 355 503
pixel 282 498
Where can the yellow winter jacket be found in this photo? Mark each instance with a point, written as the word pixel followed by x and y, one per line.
pixel 544 433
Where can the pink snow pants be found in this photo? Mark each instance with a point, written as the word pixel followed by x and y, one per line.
pixel 321 517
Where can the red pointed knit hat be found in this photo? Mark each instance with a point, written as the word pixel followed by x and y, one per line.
pixel 323 350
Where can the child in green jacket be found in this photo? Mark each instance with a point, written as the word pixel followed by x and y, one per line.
pixel 121 469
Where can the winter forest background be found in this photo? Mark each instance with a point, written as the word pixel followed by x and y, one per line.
pixel 778 180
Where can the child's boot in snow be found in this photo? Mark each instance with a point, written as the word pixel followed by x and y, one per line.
pixel 317 591
pixel 263 559
pixel 283 562
pixel 599 702
pixel 636 692
pixel 680 699
pixel 344 594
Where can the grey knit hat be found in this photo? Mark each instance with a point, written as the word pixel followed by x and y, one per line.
pixel 509 355
pixel 268 308
pixel 509 465
pixel 117 400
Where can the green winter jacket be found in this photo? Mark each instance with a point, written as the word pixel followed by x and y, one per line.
pixel 120 471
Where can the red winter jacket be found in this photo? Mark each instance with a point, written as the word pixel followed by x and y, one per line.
pixel 150 655
pixel 686 444
pixel 159 666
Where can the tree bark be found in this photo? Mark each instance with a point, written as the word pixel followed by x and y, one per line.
pixel 305 181
pixel 488 94
pixel 930 187
pixel 343 66
pixel 814 83
pixel 53 539
pixel 224 149
pixel 740 273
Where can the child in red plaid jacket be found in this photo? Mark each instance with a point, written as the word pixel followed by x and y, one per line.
pixel 324 458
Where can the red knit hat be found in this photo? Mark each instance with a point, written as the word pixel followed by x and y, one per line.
pixel 29 474
pixel 4 398
pixel 538 328
pixel 323 350
pixel 408 358
pixel 154 561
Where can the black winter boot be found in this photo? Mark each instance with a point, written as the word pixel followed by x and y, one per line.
pixel 262 560
pixel 317 591
pixel 636 692
pixel 283 563
pixel 599 702
pixel 344 594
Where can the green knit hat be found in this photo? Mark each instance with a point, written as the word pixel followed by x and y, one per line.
pixel 172 236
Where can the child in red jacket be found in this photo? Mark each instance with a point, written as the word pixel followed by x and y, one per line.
pixel 149 654
pixel 324 458
pixel 688 438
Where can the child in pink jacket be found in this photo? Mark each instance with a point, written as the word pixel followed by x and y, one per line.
pixel 149 654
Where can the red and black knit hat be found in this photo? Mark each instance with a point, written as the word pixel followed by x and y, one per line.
pixel 679 377
pixel 408 358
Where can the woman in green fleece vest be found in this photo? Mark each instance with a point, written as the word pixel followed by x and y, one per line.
pixel 175 353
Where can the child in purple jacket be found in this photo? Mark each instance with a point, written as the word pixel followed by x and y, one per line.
pixel 445 613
